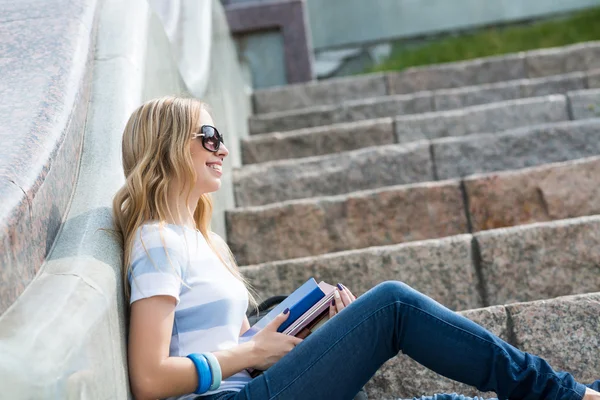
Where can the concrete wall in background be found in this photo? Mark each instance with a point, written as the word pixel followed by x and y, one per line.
pixel 340 23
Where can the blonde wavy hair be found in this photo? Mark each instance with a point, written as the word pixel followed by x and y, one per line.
pixel 156 154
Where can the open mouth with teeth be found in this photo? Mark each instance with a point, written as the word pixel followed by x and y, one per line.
pixel 215 166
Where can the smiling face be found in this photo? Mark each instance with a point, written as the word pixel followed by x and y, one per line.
pixel 208 165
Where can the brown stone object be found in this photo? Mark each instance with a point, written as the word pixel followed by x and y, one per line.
pixel 541 261
pixel 550 192
pixel 323 225
pixel 317 141
pixel 327 175
pixel 328 92
pixel 439 268
pixel 380 107
pixel 402 377
pixel 564 331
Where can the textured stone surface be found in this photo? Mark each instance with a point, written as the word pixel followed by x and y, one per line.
pixel 451 75
pixel 368 168
pixel 44 94
pixel 585 104
pixel 560 60
pixel 564 331
pixel 482 119
pixel 593 79
pixel 556 191
pixel 378 107
pixel 324 225
pixel 451 99
pixel 519 148
pixel 560 84
pixel 331 91
pixel 317 141
pixel 541 261
pixel 403 377
pixel 440 268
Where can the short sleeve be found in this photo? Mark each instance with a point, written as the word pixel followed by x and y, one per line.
pixel 157 263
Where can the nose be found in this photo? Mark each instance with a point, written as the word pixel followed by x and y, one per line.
pixel 223 150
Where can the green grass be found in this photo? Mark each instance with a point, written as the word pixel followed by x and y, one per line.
pixel 579 27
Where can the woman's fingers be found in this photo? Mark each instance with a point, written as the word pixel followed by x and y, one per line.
pixel 332 310
pixel 339 304
pixel 345 297
pixel 352 297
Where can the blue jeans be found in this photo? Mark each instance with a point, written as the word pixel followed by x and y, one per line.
pixel 341 356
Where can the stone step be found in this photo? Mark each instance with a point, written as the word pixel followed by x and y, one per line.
pixel 349 136
pixel 564 331
pixel 494 267
pixel 414 212
pixel 421 161
pixel 442 100
pixel 530 64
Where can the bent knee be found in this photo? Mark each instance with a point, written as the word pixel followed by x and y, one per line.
pixel 396 289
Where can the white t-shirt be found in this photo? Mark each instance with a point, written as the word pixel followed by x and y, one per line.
pixel 211 302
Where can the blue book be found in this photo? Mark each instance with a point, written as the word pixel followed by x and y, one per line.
pixel 300 301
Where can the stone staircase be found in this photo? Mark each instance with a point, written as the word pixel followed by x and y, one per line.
pixel 475 182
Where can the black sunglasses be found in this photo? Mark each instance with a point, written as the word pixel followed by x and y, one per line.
pixel 211 138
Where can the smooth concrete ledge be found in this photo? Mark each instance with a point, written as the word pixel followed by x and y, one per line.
pixel 71 317
pixel 44 92
pixel 530 64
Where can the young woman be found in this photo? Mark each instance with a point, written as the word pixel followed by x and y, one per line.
pixel 188 300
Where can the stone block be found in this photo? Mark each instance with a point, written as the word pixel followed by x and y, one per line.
pixel 450 99
pixel 541 261
pixel 317 141
pixel 402 377
pixel 545 62
pixel 582 56
pixel 593 79
pixel 324 225
pixel 313 94
pixel 458 74
pixel 515 149
pixel 585 104
pixel 333 174
pixel 440 268
pixel 560 84
pixel 379 107
pixel 480 119
pixel 551 192
pixel 564 331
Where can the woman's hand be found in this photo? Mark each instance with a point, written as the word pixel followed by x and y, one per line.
pixel 341 299
pixel 270 345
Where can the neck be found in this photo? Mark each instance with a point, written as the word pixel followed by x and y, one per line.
pixel 182 213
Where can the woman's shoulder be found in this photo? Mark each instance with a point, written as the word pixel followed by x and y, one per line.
pixel 154 234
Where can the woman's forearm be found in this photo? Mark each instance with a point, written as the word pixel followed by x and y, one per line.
pixel 177 376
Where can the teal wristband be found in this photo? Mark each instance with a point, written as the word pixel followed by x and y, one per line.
pixel 215 368
pixel 203 371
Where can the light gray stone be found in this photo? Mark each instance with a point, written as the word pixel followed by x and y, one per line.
pixel 317 141
pixel 323 225
pixel 585 104
pixel 484 118
pixel 450 99
pixel 582 56
pixel 312 94
pixel 545 62
pixel 551 192
pixel 541 261
pixel 333 174
pixel 452 75
pixel 402 377
pixel 379 107
pixel 564 331
pixel 593 79
pixel 440 268
pixel 559 84
pixel 519 148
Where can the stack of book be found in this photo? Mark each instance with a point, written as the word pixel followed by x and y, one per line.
pixel 309 310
